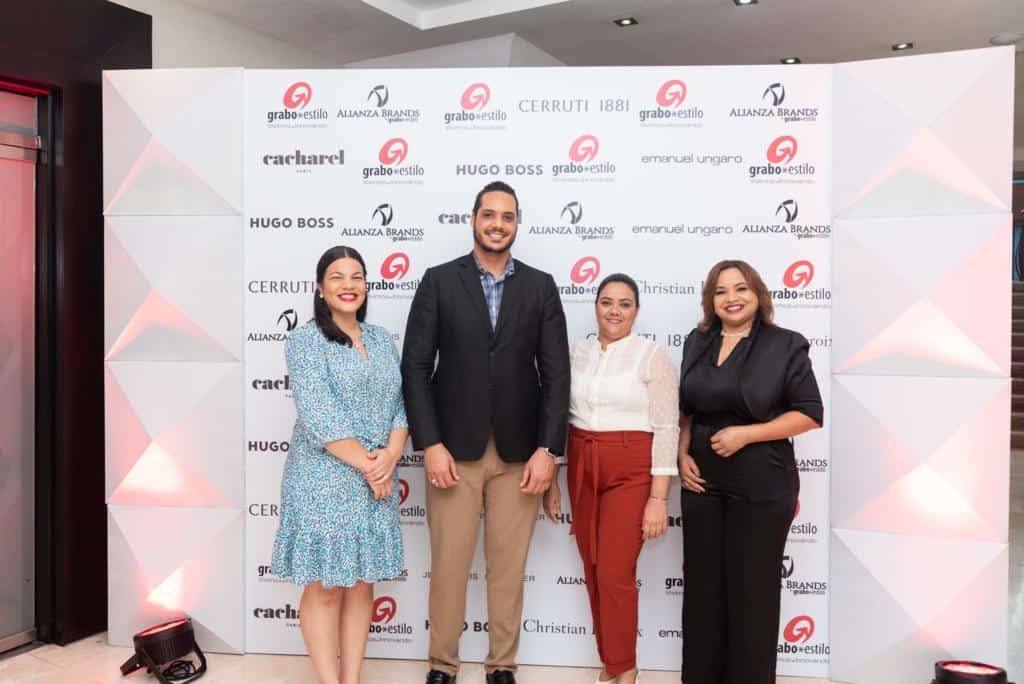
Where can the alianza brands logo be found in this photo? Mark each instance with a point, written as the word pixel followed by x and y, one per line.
pixel 787 213
pixel 295 114
pixel 286 322
pixel 473 110
pixel 781 152
pixel 572 225
pixel 383 224
pixel 583 164
pixel 771 107
pixel 376 107
pixel 289 222
pixel 670 110
pixel 392 169
pixel 814 465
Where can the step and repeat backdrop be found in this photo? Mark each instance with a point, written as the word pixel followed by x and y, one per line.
pixel 654 172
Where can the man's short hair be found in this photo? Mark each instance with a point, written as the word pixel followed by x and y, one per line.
pixel 495 186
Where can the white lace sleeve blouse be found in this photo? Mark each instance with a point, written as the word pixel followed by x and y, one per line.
pixel 630 385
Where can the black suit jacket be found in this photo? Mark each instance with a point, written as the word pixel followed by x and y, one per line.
pixel 513 381
pixel 776 375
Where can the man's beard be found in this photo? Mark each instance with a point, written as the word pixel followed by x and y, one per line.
pixel 487 248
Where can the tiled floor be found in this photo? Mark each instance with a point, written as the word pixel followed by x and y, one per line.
pixel 91 661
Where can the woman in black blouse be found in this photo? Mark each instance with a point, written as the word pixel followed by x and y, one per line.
pixel 746 388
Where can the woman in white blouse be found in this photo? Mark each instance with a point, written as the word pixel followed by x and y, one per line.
pixel 623 417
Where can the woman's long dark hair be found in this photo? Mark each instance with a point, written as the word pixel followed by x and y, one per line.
pixel 322 312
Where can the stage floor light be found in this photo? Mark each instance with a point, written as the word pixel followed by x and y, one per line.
pixel 968 672
pixel 160 648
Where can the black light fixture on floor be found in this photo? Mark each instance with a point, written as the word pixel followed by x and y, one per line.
pixel 968 672
pixel 626 21
pixel 160 648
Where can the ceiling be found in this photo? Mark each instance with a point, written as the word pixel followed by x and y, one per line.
pixel 581 33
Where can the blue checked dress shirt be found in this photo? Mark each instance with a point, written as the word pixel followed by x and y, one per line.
pixel 494 287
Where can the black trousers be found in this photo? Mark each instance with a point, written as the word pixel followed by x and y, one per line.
pixel 732 551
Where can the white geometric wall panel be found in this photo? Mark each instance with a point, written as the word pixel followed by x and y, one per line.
pixel 921 362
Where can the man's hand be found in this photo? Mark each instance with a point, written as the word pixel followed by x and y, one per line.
pixel 440 466
pixel 537 473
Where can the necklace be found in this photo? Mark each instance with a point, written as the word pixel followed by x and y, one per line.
pixel 741 333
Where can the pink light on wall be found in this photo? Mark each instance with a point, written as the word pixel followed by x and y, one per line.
pixel 170 593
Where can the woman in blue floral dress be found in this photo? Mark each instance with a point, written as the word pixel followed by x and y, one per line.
pixel 339 530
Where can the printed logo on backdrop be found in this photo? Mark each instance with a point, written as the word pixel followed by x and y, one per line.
pixel 785 224
pixel 797 290
pixel 771 106
pixel 584 162
pixel 571 224
pixel 393 284
pixel 674 584
pixel 281 223
pixel 287 321
pixel 474 111
pixel 382 224
pixel 797 585
pixel 262 287
pixel 574 105
pixel 296 112
pixel 798 644
pixel 802 530
pixel 670 112
pixel 781 154
pixel 582 288
pixel 265 446
pixel 392 167
pixel 265 576
pixel 413 514
pixel 304 160
pixel 375 107
pixel 287 614
pixel 386 625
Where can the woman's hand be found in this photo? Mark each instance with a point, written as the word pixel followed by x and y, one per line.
pixel 553 501
pixel 655 518
pixel 379 466
pixel 728 441
pixel 382 491
pixel 689 473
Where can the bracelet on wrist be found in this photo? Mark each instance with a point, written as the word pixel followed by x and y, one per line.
pixel 663 500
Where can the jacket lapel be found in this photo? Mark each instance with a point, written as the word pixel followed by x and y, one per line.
pixel 471 281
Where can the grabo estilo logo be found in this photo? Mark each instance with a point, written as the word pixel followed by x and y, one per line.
pixel 583 164
pixel 391 158
pixel 799 274
pixel 475 97
pixel 780 155
pixel 799 630
pixel 670 98
pixel 385 610
pixel 297 97
pixel 395 266
pixel 585 271
pixel 473 107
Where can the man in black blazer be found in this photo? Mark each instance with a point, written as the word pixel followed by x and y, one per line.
pixel 491 418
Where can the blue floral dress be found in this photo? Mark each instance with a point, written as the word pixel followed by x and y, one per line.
pixel 332 530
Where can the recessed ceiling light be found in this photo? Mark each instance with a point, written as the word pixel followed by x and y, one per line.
pixel 902 46
pixel 741 3
pixel 1006 38
pixel 626 21
pixel 790 60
